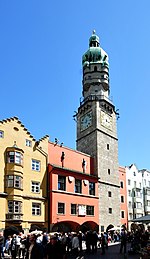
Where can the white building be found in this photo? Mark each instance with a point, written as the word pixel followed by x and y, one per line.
pixel 138 192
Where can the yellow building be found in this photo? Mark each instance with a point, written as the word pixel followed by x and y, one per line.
pixel 23 177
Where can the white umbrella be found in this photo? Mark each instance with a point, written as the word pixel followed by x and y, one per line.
pixel 114 229
pixel 36 232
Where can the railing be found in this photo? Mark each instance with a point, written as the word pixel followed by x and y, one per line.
pixel 94 97
pixel 14 216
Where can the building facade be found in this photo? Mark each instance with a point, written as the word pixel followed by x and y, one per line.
pixel 73 190
pixel 23 167
pixel 97 131
pixel 138 192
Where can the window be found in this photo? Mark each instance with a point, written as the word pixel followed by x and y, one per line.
pixel 109 171
pixel 122 214
pixel 91 188
pixel 121 184
pixel 107 146
pixel 148 203
pixel 73 209
pixel 14 206
pixel 134 173
pixel 134 184
pixel 138 205
pixel 129 182
pixel 138 194
pixel 61 183
pixel 35 165
pixel 35 187
pixel 36 209
pixel 61 208
pixel 109 194
pixel 14 157
pixel 129 192
pixel 148 192
pixel 13 181
pixel 122 199
pixel 1 134
pixel 130 204
pixel 110 210
pixel 78 186
pixel 89 210
pixel 95 68
pixel 28 143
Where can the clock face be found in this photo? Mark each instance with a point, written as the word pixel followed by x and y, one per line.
pixel 86 121
pixel 106 120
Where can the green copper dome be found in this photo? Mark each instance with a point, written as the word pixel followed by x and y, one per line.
pixel 95 53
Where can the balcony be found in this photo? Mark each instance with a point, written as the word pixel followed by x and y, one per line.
pixel 14 217
pixel 147 197
pixel 147 209
pixel 138 210
pixel 94 97
pixel 138 199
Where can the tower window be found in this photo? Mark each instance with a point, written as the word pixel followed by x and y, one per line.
pixel 122 214
pixel 122 199
pixel 110 210
pixel 121 184
pixel 107 146
pixel 109 194
pixel 95 69
pixel 109 171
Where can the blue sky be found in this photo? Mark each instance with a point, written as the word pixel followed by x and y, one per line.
pixel 41 47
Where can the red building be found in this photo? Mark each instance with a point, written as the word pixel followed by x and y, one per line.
pixel 72 190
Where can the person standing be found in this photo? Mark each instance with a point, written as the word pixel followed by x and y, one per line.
pixel 75 244
pixel 35 250
pixel 103 242
pixel 54 249
pixel 1 245
pixel 13 247
pixel 123 237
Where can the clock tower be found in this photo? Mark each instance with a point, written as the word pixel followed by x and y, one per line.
pixel 97 131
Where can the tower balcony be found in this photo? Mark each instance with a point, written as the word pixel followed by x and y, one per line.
pixel 94 97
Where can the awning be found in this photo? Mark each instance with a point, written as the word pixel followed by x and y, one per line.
pixel 144 219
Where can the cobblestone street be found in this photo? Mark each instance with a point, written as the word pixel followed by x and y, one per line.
pixel 111 253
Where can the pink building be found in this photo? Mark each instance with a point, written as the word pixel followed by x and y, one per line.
pixel 123 196
pixel 73 190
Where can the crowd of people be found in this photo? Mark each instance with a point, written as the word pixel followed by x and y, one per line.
pixel 50 246
pixel 41 245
